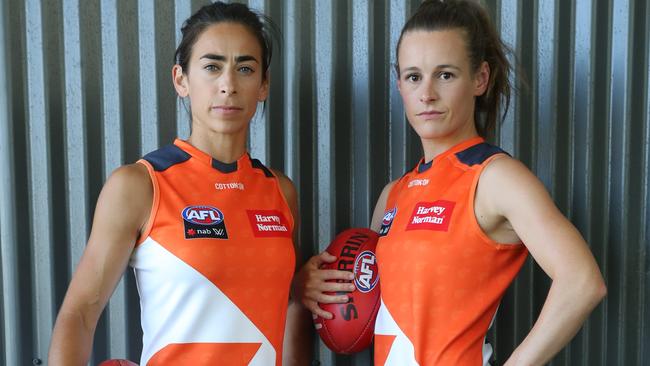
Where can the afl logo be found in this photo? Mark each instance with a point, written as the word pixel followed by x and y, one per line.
pixel 366 274
pixel 389 216
pixel 202 215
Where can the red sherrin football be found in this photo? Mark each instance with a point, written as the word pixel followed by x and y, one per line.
pixel 352 328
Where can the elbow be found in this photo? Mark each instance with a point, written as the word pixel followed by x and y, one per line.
pixel 601 290
pixel 596 289
pixel 588 287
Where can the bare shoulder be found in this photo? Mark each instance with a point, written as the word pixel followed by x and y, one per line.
pixel 129 191
pixel 286 185
pixel 505 169
pixel 507 186
pixel 504 174
pixel 134 175
pixel 130 182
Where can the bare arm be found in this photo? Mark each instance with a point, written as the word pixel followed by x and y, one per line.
pixel 297 334
pixel 122 210
pixel 508 190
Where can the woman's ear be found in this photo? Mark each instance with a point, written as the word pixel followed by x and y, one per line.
pixel 481 79
pixel 264 88
pixel 180 81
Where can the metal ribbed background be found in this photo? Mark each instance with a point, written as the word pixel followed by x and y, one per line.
pixel 85 87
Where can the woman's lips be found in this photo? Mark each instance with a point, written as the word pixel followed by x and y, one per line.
pixel 430 114
pixel 227 109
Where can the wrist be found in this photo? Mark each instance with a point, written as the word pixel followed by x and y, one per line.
pixel 518 358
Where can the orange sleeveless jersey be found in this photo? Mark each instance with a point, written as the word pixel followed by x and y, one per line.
pixel 442 278
pixel 214 265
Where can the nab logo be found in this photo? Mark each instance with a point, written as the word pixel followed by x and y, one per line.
pixel 366 274
pixel 202 215
pixel 203 222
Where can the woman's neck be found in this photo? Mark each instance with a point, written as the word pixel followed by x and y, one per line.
pixel 226 148
pixel 438 145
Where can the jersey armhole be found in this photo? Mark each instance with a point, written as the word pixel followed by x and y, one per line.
pixel 471 212
pixel 284 199
pixel 154 204
pixel 394 191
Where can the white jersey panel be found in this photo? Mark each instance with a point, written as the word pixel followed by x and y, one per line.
pixel 402 352
pixel 180 305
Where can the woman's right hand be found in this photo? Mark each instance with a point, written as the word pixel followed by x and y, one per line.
pixel 312 282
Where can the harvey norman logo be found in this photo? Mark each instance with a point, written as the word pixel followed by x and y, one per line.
pixel 431 216
pixel 268 223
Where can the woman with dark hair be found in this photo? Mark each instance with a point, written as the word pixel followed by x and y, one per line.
pixel 209 231
pixel 456 229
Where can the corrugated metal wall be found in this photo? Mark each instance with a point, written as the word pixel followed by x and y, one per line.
pixel 85 86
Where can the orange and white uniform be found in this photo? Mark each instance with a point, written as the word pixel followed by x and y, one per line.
pixel 214 265
pixel 442 277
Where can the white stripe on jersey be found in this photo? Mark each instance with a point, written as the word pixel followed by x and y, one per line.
pixel 402 352
pixel 180 305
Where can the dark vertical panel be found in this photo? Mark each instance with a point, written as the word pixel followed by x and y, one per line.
pixel 601 30
pixel 9 339
pixel 128 46
pixel 18 213
pixel 380 85
pixel 581 99
pixel 258 131
pixel 501 336
pixel 633 210
pixel 92 75
pixel 397 125
pixel 128 26
pixel 342 106
pixel 361 22
pixel 165 45
pixel 618 126
pixel 182 11
pixel 644 222
pixel 275 104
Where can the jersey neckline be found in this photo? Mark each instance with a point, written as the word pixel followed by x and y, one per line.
pixel 209 160
pixel 423 167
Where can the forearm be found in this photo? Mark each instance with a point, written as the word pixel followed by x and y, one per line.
pixel 567 305
pixel 297 347
pixel 71 341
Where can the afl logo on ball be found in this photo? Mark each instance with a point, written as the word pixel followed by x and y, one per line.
pixel 204 222
pixel 365 271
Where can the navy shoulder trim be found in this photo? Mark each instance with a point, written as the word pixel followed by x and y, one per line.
pixel 258 165
pixel 165 157
pixel 477 154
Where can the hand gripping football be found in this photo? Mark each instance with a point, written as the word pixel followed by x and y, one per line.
pixel 352 328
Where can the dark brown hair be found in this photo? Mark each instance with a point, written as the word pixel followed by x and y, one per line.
pixel 259 25
pixel 483 44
